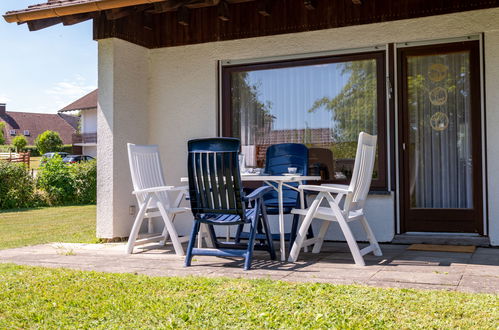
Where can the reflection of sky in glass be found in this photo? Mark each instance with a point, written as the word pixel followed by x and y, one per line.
pixel 293 91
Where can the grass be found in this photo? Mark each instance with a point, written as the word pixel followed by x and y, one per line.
pixel 48 224
pixel 33 297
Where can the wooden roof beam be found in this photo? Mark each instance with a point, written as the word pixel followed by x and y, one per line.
pixel 223 11
pixel 310 4
pixel 78 18
pixel 183 16
pixel 43 23
pixel 265 7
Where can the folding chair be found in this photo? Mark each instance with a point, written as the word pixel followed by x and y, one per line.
pixel 353 208
pixel 153 197
pixel 217 199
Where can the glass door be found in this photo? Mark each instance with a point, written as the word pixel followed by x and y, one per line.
pixel 440 140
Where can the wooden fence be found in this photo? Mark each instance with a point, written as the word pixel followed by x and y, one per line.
pixel 22 157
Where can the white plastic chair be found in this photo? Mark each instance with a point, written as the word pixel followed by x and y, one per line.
pixel 152 197
pixel 353 208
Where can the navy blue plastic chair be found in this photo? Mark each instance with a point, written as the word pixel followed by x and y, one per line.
pixel 217 199
pixel 277 160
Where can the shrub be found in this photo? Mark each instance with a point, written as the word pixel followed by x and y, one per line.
pixel 33 150
pixel 84 180
pixel 48 141
pixel 55 179
pixel 16 186
pixel 2 137
pixel 19 143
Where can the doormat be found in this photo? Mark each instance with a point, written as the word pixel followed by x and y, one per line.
pixel 442 248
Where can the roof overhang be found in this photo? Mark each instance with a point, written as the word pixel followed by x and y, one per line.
pixel 61 8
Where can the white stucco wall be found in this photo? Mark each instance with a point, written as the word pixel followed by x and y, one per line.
pixel 122 117
pixel 89 121
pixel 90 150
pixel 182 98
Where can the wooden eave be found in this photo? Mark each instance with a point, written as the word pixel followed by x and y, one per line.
pixel 166 23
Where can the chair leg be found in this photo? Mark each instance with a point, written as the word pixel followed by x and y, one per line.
pixel 371 237
pixel 179 250
pixel 136 227
pixel 251 239
pixel 192 241
pixel 352 243
pixel 268 234
pixel 294 229
pixel 302 233
pixel 347 232
pixel 320 237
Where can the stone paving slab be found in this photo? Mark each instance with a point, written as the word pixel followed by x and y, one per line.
pixel 397 268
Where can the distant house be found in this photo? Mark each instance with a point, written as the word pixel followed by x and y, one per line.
pixel 30 125
pixel 86 139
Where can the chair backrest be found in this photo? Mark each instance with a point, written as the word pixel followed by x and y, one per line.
pixel 145 167
pixel 362 172
pixel 281 156
pixel 215 185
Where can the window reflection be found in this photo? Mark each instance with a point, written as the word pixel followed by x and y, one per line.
pixel 323 106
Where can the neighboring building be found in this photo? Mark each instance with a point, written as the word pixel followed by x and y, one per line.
pixel 86 139
pixel 33 124
pixel 423 75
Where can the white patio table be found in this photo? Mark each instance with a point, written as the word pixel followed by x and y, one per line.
pixel 281 181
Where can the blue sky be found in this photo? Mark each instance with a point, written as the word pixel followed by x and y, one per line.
pixel 45 70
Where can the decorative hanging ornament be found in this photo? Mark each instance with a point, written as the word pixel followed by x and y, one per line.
pixel 438 96
pixel 439 121
pixel 437 72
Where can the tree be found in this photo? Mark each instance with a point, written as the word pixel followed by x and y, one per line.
pixel 353 109
pixel 2 137
pixel 48 141
pixel 19 142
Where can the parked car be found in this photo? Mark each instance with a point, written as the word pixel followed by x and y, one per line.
pixel 49 155
pixel 77 159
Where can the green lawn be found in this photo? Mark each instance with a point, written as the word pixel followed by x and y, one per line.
pixel 34 297
pixel 37 297
pixel 47 224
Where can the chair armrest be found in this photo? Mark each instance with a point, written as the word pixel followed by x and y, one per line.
pixel 336 189
pixel 257 193
pixel 156 189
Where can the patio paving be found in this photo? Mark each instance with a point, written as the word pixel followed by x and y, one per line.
pixel 398 267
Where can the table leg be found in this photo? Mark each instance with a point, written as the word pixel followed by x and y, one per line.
pixel 302 206
pixel 281 222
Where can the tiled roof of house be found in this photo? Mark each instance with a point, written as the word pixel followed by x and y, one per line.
pixel 50 4
pixel 35 123
pixel 88 101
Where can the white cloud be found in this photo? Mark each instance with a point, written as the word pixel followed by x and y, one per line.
pixel 4 98
pixel 68 91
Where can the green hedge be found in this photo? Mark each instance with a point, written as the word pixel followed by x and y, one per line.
pixel 56 184
pixel 33 150
pixel 17 187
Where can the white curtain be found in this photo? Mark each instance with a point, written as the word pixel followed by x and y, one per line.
pixel 440 131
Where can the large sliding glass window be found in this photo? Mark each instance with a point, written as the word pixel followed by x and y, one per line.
pixel 323 103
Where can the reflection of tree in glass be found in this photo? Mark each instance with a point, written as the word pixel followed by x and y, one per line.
pixel 251 117
pixel 353 109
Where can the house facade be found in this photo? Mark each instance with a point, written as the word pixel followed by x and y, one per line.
pixel 30 125
pixel 422 77
pixel 85 140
